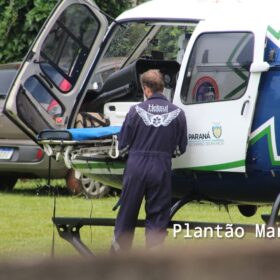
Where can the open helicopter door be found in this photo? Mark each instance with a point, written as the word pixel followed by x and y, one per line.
pixel 48 85
pixel 218 86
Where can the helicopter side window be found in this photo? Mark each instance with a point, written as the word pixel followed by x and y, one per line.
pixel 218 67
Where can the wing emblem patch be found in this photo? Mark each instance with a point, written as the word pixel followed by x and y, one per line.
pixel 157 120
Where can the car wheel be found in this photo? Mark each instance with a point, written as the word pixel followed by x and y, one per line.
pixel 92 188
pixel 7 183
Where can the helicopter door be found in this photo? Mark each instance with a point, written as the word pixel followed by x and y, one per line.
pixel 49 82
pixel 219 91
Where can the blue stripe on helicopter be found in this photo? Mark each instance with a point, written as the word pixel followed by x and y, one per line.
pixel 267 107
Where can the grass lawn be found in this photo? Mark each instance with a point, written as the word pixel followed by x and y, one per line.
pixel 26 227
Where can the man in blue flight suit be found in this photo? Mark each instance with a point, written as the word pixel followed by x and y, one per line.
pixel 153 132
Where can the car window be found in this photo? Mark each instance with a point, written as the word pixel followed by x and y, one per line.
pixel 42 95
pixel 6 78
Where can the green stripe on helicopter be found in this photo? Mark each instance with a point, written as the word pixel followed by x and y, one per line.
pixel 273 35
pixel 267 130
pixel 107 168
pixel 231 58
pixel 99 167
pixel 222 166
pixel 273 32
pixel 238 72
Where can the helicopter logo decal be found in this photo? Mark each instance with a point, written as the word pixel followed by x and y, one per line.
pixel 217 130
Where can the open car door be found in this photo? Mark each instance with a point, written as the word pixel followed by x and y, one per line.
pixel 50 80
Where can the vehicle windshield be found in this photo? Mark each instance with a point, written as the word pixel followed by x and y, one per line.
pixel 133 40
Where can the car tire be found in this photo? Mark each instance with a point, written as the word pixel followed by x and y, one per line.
pixel 7 183
pixel 92 188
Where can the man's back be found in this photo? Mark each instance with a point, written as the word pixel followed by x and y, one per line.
pixel 159 123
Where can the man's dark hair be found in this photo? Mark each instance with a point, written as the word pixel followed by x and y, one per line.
pixel 152 79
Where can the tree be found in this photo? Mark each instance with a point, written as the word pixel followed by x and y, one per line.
pixel 21 21
pixel 113 7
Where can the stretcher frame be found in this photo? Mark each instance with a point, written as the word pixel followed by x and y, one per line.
pixel 69 149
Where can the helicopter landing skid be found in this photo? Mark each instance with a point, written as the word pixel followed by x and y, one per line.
pixel 69 228
pixel 273 218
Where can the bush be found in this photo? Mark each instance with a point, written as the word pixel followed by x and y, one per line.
pixel 21 20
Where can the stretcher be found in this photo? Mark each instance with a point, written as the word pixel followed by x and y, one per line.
pixel 81 143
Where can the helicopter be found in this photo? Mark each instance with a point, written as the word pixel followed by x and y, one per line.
pixel 221 66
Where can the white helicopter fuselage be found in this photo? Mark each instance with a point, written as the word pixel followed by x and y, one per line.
pixel 220 62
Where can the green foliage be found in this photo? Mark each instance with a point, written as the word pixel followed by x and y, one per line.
pixel 21 21
pixel 128 37
pixel 166 41
pixel 113 7
pixel 26 226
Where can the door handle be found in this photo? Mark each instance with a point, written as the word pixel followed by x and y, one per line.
pixel 244 106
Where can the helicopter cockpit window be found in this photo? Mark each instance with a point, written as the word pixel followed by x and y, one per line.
pixel 145 40
pixel 67 46
pixel 125 40
pixel 218 67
